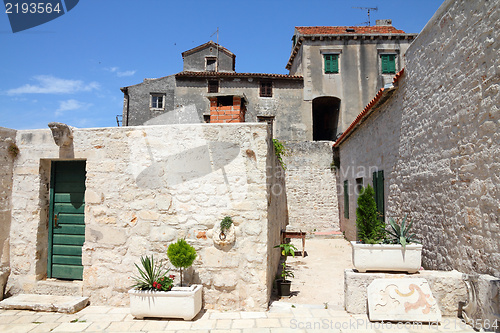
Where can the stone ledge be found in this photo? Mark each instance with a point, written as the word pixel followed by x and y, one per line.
pixel 448 289
pixel 48 303
pixel 59 288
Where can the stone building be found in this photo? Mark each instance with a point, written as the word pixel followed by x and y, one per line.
pixel 86 204
pixel 430 144
pixel 343 67
pixel 209 90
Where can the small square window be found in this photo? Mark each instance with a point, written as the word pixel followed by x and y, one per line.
pixel 266 89
pixel 157 101
pixel 331 63
pixel 211 64
pixel 213 86
pixel 388 63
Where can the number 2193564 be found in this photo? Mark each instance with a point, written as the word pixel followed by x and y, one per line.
pixel 31 8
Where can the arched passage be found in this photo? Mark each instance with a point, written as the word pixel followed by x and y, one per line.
pixel 325 112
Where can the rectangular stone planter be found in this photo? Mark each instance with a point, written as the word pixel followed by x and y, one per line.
pixel 386 257
pixel 180 302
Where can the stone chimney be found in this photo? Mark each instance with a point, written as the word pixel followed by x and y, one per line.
pixel 384 23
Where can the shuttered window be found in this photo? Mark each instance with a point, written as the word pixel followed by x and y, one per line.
pixel 331 63
pixel 388 63
pixel 266 89
pixel 378 187
pixel 213 86
pixel 346 199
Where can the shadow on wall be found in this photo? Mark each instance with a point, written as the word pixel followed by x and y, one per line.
pixel 187 165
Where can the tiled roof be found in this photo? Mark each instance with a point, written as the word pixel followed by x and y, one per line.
pixel 368 109
pixel 234 74
pixel 208 44
pixel 348 30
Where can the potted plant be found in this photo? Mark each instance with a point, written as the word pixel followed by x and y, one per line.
pixel 283 284
pixel 375 251
pixel 153 294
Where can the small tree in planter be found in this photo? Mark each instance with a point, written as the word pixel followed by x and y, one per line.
pixel 371 230
pixel 283 284
pixel 181 255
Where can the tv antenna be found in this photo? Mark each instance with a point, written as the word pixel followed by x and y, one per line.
pixel 368 9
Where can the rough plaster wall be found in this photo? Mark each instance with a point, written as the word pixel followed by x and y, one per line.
pixel 373 146
pixel 146 187
pixel 312 203
pixel 278 213
pixel 7 137
pixel 448 172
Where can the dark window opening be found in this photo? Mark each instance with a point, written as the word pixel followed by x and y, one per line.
pixel 359 186
pixel 225 101
pixel 346 199
pixel 266 89
pixel 213 86
pixel 211 64
pixel 325 118
pixel 206 118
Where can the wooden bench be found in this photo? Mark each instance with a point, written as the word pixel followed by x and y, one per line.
pixel 294 234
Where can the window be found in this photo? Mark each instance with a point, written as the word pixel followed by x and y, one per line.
pixel 157 101
pixel 211 64
pixel 378 187
pixel 266 89
pixel 359 186
pixel 213 86
pixel 331 63
pixel 346 199
pixel 388 63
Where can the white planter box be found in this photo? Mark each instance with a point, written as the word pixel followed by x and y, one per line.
pixel 180 302
pixel 386 257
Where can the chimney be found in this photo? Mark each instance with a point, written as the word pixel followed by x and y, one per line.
pixel 384 23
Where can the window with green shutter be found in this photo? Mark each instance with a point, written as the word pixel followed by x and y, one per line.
pixel 388 63
pixel 331 63
pixel 378 187
pixel 346 199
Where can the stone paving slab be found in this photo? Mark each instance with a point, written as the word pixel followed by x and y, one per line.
pixel 50 303
pixel 94 319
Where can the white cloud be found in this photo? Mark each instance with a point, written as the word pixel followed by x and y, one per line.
pixel 48 84
pixel 119 73
pixel 71 104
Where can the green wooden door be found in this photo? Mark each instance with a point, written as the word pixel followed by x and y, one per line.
pixel 67 220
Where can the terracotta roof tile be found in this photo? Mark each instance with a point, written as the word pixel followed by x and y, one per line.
pixel 366 111
pixel 234 74
pixel 348 30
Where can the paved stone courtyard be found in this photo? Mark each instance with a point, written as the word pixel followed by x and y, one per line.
pixel 319 280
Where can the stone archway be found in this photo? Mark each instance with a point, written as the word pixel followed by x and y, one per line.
pixel 325 112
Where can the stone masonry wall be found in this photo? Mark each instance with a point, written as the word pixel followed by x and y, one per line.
pixel 312 202
pixel 145 188
pixel 448 169
pixel 7 139
pixel 372 147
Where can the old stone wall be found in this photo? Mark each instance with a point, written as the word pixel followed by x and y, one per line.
pixel 438 138
pixel 311 189
pixel 447 171
pixel 145 188
pixel 7 156
pixel 372 147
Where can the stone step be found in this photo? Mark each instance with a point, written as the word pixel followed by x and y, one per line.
pixel 59 287
pixel 48 303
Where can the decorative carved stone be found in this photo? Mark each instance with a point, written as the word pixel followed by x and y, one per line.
pixel 62 134
pixel 406 299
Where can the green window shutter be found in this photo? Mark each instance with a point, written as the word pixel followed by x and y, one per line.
pixel 346 199
pixel 378 187
pixel 388 63
pixel 331 63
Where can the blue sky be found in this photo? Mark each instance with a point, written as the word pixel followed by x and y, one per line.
pixel 71 69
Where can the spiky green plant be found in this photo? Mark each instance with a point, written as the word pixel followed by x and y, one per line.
pixel 181 255
pixel 150 273
pixel 401 234
pixel 371 230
